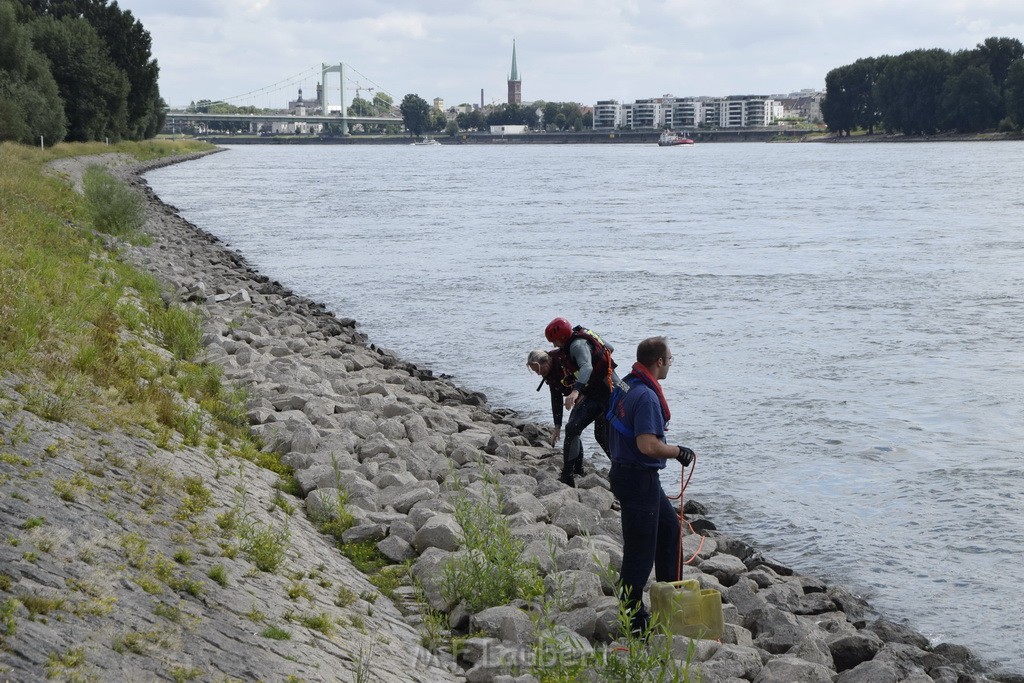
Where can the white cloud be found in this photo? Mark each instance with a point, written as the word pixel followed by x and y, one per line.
pixel 570 50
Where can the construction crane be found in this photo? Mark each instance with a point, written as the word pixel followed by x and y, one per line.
pixel 360 88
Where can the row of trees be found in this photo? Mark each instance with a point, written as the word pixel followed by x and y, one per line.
pixel 77 70
pixel 419 117
pixel 380 105
pixel 218 107
pixel 927 91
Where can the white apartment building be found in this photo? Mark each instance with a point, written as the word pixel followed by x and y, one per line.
pixel 607 114
pixel 684 112
pixel 735 111
pixel 647 114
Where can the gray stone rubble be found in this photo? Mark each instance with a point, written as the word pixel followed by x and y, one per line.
pixel 350 414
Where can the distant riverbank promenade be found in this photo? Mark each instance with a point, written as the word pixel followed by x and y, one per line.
pixel 734 111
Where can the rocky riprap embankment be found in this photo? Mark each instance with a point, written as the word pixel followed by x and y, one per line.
pixel 353 416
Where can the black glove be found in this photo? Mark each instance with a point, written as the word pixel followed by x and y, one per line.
pixel 685 456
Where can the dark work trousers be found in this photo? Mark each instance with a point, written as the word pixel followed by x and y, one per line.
pixel 588 409
pixel 650 533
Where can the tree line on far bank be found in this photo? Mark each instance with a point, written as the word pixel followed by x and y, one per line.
pixel 419 117
pixel 76 70
pixel 929 91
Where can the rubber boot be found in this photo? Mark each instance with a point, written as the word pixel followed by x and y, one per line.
pixel 639 624
pixel 567 478
pixel 577 467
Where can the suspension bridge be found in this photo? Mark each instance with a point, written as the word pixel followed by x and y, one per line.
pixel 324 112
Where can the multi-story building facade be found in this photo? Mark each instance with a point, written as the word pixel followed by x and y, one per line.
pixel 685 112
pixel 805 105
pixel 607 114
pixel 735 111
pixel 647 114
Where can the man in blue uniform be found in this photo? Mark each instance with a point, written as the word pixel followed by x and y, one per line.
pixel 650 525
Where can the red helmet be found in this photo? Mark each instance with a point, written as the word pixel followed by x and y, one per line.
pixel 558 331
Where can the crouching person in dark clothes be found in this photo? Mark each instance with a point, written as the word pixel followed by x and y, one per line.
pixel 650 525
pixel 549 365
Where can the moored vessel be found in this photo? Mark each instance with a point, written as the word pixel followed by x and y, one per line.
pixel 671 139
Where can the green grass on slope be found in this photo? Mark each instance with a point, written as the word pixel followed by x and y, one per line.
pixel 90 335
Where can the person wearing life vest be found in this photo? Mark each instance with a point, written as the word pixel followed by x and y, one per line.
pixel 590 376
pixel 551 368
pixel 638 419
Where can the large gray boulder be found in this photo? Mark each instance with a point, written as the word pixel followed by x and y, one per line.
pixel 776 630
pixel 396 549
pixel 359 423
pixel 576 519
pixel 734 634
pixel 403 501
pixel 870 672
pixel 785 595
pixel 724 567
pixel 854 607
pixel 377 444
pixel 428 570
pixel 849 651
pixel 813 649
pixel 596 498
pixel 511 624
pixel 582 621
pixel 702 547
pixel 525 502
pixel 733 661
pixel 892 632
pixel 587 560
pixel 815 603
pixel 364 532
pixel 573 589
pixel 744 596
pixel 394 478
pixel 793 670
pixel 440 531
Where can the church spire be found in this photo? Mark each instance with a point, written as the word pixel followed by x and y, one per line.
pixel 515 72
pixel 515 93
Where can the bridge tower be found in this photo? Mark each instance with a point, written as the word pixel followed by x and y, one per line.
pixel 340 70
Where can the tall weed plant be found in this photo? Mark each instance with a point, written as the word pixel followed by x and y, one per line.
pixel 491 570
pixel 647 657
pixel 113 207
pixel 178 330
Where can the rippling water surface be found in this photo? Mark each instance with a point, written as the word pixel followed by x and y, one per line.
pixel 846 321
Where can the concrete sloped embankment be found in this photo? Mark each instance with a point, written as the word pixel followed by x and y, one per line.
pixel 351 415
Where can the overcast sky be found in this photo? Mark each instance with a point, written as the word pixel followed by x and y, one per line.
pixel 568 50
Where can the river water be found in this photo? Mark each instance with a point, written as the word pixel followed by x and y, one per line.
pixel 846 323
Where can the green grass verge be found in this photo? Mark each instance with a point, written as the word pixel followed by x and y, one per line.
pixel 82 327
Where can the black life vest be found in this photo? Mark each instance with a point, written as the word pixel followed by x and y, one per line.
pixel 558 377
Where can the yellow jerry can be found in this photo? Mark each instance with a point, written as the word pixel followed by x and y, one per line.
pixel 683 609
